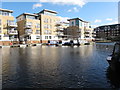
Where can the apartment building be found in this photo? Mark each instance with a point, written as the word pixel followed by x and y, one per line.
pixel 48 21
pixel 107 31
pixel 62 30
pixel 79 29
pixel 8 28
pixel 28 28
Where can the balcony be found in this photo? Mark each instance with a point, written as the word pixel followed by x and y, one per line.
pixel 60 34
pixel 78 31
pixel 28 31
pixel 12 24
pixel 12 32
pixel 87 35
pixel 87 31
pixel 37 32
pixel 28 26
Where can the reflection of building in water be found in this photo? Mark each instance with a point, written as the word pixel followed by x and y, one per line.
pixel 86 51
pixel 114 78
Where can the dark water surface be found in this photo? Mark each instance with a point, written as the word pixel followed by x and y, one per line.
pixel 58 67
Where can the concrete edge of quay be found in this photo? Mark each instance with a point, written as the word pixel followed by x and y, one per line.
pixel 40 44
pixel 20 45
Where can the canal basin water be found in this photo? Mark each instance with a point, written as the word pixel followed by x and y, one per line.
pixel 57 67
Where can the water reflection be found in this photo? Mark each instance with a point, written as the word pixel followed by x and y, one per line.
pixel 52 67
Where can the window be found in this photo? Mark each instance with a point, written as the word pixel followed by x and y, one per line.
pixel 50 37
pixel 28 23
pixel 10 22
pixel 46 37
pixel 72 23
pixel 77 22
pixel 50 20
pixel 0 37
pixel 37 25
pixel 30 17
pixel 37 31
pixel 15 36
pixel 46 20
pixel 5 13
pixel 37 37
pixel 47 32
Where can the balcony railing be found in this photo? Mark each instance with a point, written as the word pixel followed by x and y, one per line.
pixel 28 32
pixel 12 24
pixel 13 39
pixel 28 26
pixel 12 32
pixel 37 33
pixel 87 33
pixel 60 34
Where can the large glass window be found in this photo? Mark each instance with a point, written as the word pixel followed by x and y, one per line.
pixel 5 13
pixel 46 37
pixel 77 22
pixel 30 17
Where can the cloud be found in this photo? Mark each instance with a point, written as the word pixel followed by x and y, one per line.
pixel 70 10
pixel 114 22
pixel 37 5
pixel 75 9
pixel 65 2
pixel 109 19
pixel 64 19
pixel 97 21
pixel 94 26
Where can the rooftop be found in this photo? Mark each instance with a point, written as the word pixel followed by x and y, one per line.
pixel 108 25
pixel 78 19
pixel 6 10
pixel 51 11
pixel 27 14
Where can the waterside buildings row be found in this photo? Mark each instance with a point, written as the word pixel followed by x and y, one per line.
pixel 41 27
